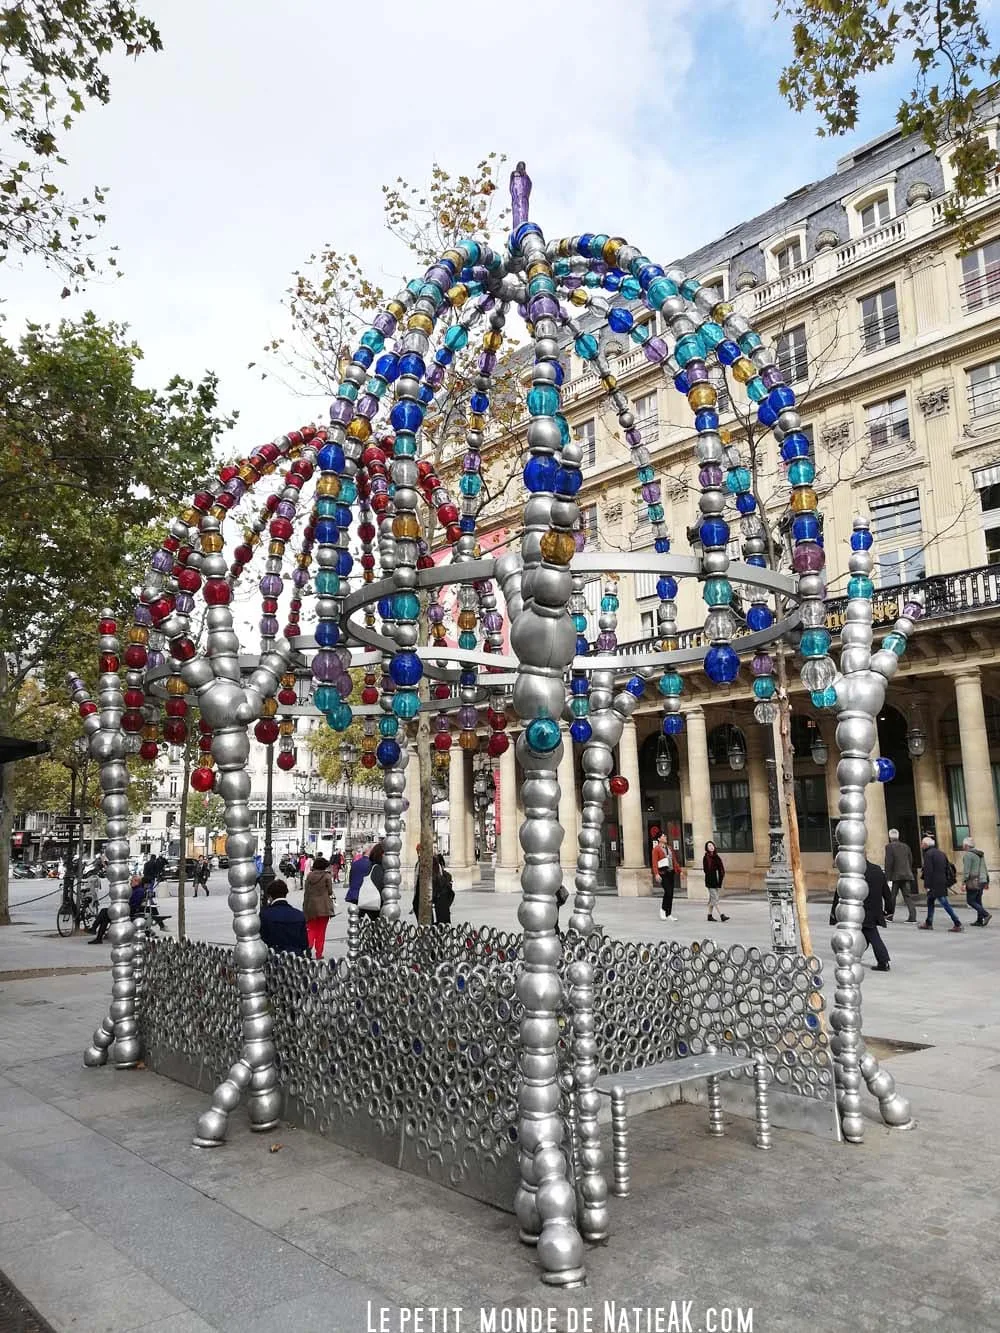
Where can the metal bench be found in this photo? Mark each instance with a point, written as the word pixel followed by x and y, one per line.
pixel 670 1073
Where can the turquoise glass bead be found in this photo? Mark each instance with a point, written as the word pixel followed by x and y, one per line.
pixel 711 335
pixel 541 285
pixel 609 603
pixel 580 706
pixel 406 704
pixel 763 687
pixel 561 268
pixel 565 435
pixel 375 386
pixel 756 390
pixel 406 606
pixel 749 342
pixel 543 400
pixel 687 349
pixel 326 507
pixel 631 288
pixel 690 288
pixel 373 339
pixel 414 286
pixel 655 513
pixel 814 642
pixel 405 445
pixel 542 735
pixel 591 280
pixel 717 592
pixel 348 391
pixel 470 483
pixel 431 292
pixel 894 643
pixel 327 583
pixel 645 474
pixel 670 684
pixel 456 337
pixel 467 639
pixel 738 480
pixel 580 624
pixel 348 491
pixel 860 586
pixel 801 473
pixel 326 698
pixel 388 726
pixel 824 698
pixel 586 346
pixel 640 334
pixel 660 290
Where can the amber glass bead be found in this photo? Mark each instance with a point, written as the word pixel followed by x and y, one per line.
pixel 558 547
pixel 702 395
pixel 477 421
pixel 395 309
pixel 191 517
pixel 177 685
pixel 803 500
pixel 579 296
pixel 611 250
pixel 277 547
pixel 722 311
pixel 406 525
pixel 743 370
pixel 492 340
pixel 359 429
pixel 610 382
pixel 457 295
pixel 466 620
pixel 269 707
pixel 469 740
pixel 420 323
pixel 138 634
pixel 287 727
pixel 328 487
pixel 211 542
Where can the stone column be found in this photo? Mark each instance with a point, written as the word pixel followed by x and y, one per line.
pixel 568 817
pixel 507 877
pixel 412 835
pixel 470 819
pixel 701 799
pixel 930 790
pixel 757 777
pixel 979 799
pixel 877 818
pixel 458 852
pixel 633 877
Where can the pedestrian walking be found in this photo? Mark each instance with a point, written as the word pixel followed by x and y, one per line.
pixel 877 901
pixel 317 904
pixel 303 868
pixel 939 875
pixel 201 874
pixel 365 882
pixel 336 865
pixel 976 879
pixel 898 863
pixel 665 867
pixel 715 873
pixel 442 889
pixel 282 926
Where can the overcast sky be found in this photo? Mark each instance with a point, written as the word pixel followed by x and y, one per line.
pixel 265 130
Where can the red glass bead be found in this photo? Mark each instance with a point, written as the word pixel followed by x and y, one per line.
pixel 442 741
pixel 217 592
pixel 380 503
pixel 205 744
pixel 204 727
pixel 294 437
pixel 271 503
pixel 149 750
pixel 87 708
pixel 243 553
pixel 170 543
pixel 176 706
pixel 292 631
pixel 132 720
pixel 109 662
pixel 236 569
pixel 188 580
pixel 448 513
pixel 160 608
pixel 269 605
pixel 281 529
pixel 266 730
pixel 175 730
pixel 498 744
pixel 453 531
pixel 368 760
pixel 442 691
pixel 496 720
pixel 134 698
pixel 367 560
pixel 136 656
pixel 424 467
pixel 202 779
pixel 270 451
pixel 228 472
pixel 618 785
pixel 203 501
pixel 295 481
pixel 286 760
pixel 287 697
pixel 183 648
pixel 425 562
pixel 107 626
pixel 226 500
pixel 369 695
pixel 366 531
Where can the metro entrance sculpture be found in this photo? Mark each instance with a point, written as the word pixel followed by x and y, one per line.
pixel 353 492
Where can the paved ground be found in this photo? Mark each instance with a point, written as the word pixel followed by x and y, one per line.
pixel 109 1220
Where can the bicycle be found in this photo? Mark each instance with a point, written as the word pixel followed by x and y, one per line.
pixel 79 906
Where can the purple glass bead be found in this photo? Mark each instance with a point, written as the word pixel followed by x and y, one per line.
pixel 655 350
pixel 808 558
pixel 142 616
pixel 435 376
pixel 162 562
pixel 762 664
pixel 607 642
pixel 913 610
pixel 439 274
pixel 270 585
pixel 651 492
pixel 493 622
pixel 342 412
pixel 435 613
pixel 236 486
pixel 487 362
pixel 599 267
pixel 522 310
pixel 326 667
pixel 633 438
pixel 268 626
pixel 367 406
pixel 543 307
pixel 571 282
pixel 285 509
pixel 184 603
pixel 472 462
pixel 710 475
pixel 581 540
pixel 300 578
pixel 771 377
pixel 696 372
pixel 385 323
pixel 155 659
pixel 467 717
pixel 379 486
pixel 441 722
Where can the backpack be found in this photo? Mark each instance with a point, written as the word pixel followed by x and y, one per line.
pixel 950 874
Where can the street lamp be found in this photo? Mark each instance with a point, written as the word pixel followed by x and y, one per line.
pixel 349 756
pixel 819 750
pixel 916 737
pixel 305 786
pixel 80 751
pixel 736 753
pixel 267 874
pixel 664 763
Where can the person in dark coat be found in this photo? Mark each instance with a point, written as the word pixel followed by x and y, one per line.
pixel 876 902
pixel 282 926
pixel 935 872
pixel 715 874
pixel 899 872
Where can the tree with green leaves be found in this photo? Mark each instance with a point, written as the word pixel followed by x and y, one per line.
pixel 91 465
pixel 53 58
pixel 956 73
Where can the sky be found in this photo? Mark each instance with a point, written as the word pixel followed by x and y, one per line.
pixel 262 132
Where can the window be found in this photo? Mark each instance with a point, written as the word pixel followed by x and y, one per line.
pixel 172 785
pixel 586 435
pixel 647 418
pixel 957 807
pixel 789 256
pixel 793 356
pixel 981 276
pixel 732 830
pixel 984 389
pixel 875 214
pixel 647 620
pixel 898 539
pixel 588 524
pixel 879 319
pixel 987 482
pixel 641 509
pixel 888 423
pixel 813 819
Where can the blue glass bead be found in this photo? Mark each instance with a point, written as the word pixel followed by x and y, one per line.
pixel 894 643
pixel 406 704
pixel 479 402
pixel 687 349
pixel 580 625
pixel 612 281
pixel 581 731
pixel 542 735
pixel 745 503
pixel 543 400
pixel 763 688
pixel 860 586
pixel 586 346
pixel 795 445
pixel 706 418
pixel 372 339
pixel 722 665
pixel 756 389
pixel 405 668
pixel 426 393
pixel 717 592
pixel 343 515
pixel 406 606
pixel 631 289
pixel 412 364
pixel 326 698
pixel 738 479
pixel 406 416
pixel 331 458
pixel 636 685
pixel 345 563
pixel 444 356
pixel 388 753
pixel 579 685
pixel 583 244
pixel 467 523
pixel 540 473
pixel 661 545
pixel 758 561
pixel 327 582
pixel 885 769
pixel 467 678
pixel 781 397
pixel 759 617
pixel 673 724
pixel 681 383
pixel 801 473
pixel 385 608
pixel 824 698
pixel 364 356
pixel 728 352
pixel 467 639
pixel 814 642
pixel 648 272
pixel 861 540
pixel 714 532
pixel 388 726
pixel 568 480
pixel 470 483
pixel 579 706
pixel 620 320
pixel 327 633
pixel 558 371
pixel 666 587
pixel 326 531
pixel 670 684
pixel 766 414
pixel 582 646
pixel 805 528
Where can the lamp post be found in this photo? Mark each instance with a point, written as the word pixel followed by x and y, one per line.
pixel 349 756
pixel 305 786
pixel 267 871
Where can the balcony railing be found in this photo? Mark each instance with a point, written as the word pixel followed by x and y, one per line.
pixel 943 595
pixel 980 290
pixel 871 241
pixel 984 398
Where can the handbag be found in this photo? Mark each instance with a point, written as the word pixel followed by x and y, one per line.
pixel 369 899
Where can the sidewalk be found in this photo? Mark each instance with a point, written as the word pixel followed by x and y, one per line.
pixel 110 1220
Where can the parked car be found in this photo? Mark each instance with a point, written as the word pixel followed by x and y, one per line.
pixel 173 868
pixel 21 871
pixel 222 862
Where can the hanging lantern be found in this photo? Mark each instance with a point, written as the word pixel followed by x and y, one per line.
pixel 916 737
pixel 819 750
pixel 664 763
pixel 736 754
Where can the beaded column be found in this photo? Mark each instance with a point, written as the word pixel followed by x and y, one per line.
pixel 592 1187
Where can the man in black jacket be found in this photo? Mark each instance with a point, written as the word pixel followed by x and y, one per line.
pixel 899 873
pixel 876 902
pixel 282 926
pixel 936 881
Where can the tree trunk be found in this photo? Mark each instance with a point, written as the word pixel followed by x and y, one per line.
pixel 6 832
pixel 182 860
pixel 425 861
pixel 799 891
